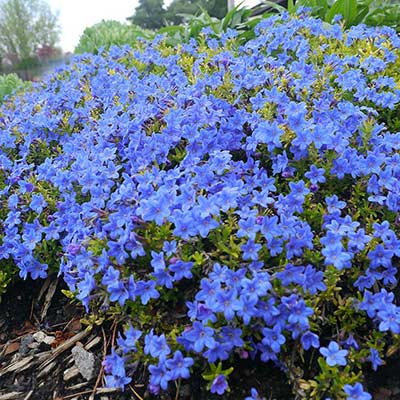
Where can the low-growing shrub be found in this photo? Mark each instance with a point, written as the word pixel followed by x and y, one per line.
pixel 9 85
pixel 222 202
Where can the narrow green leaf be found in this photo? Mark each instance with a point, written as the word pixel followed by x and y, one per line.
pixel 274 6
pixel 346 8
pixel 291 7
pixel 362 13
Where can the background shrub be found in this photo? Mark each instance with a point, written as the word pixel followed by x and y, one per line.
pixel 110 33
pixel 9 84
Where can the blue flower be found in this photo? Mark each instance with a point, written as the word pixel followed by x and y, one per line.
pixel 273 338
pixel 85 287
pixel 37 203
pixel 356 392
pixel 334 204
pixel 156 346
pixel 118 292
pixel 146 290
pixel 128 343
pixel 114 364
pixel 250 250
pixel 333 354
pixel 309 340
pixel 159 375
pixel 390 319
pixel 232 336
pixel 253 395
pixel 220 351
pixel 217 186
pixel 315 175
pixel 179 366
pixel 119 382
pixel 200 336
pixel 376 361
pixel 227 302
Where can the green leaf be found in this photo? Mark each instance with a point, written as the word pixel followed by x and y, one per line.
pixel 291 7
pixel 208 377
pixel 321 8
pixel 68 294
pixel 274 6
pixel 171 29
pixel 228 371
pixel 306 3
pixel 346 8
pixel 228 18
pixel 362 13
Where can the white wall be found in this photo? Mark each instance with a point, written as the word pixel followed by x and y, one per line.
pixel 248 3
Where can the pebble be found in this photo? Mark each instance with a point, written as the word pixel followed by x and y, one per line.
pixel 41 337
pixel 26 341
pixel 86 362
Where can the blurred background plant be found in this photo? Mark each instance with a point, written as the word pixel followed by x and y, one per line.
pixel 191 24
pixel 151 14
pixel 29 32
pixel 383 12
pixel 369 12
pixel 108 33
pixel 237 18
pixel 9 84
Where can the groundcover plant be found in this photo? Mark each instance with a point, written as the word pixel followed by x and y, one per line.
pixel 220 201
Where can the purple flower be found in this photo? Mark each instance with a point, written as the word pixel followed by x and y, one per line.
pixel 219 385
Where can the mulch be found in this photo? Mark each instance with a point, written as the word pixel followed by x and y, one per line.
pixel 39 327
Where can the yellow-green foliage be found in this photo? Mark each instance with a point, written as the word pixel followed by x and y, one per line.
pixel 9 84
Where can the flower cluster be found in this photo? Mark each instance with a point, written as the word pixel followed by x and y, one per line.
pixel 228 201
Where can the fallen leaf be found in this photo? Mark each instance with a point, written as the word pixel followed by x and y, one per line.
pixel 61 337
pixel 12 348
pixel 75 325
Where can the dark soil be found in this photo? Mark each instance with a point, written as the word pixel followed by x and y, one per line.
pixel 22 315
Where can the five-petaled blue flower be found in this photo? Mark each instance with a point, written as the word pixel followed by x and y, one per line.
pixel 333 354
pixel 356 392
